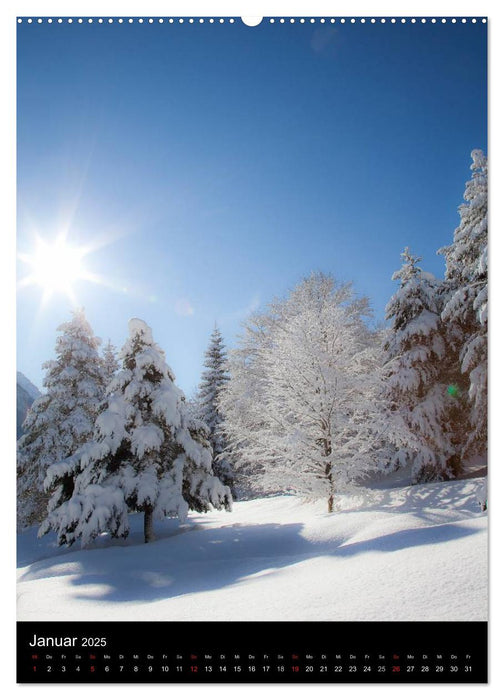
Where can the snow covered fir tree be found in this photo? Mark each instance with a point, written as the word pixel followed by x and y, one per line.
pixel 213 381
pixel 465 310
pixel 110 361
pixel 417 371
pixel 437 346
pixel 147 454
pixel 60 421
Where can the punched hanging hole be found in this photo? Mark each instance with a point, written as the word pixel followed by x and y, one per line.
pixel 251 21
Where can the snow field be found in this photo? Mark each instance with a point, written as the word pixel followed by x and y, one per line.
pixel 405 553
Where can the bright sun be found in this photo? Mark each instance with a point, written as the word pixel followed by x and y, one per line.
pixel 55 266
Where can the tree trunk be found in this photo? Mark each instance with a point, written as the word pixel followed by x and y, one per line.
pixel 330 503
pixel 328 471
pixel 148 527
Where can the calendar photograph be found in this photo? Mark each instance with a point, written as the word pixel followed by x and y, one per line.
pixel 251 338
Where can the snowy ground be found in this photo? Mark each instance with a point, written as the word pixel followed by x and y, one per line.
pixel 401 553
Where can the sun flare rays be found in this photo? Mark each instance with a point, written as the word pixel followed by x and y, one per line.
pixel 55 266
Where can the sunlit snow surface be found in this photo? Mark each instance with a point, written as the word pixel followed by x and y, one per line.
pixel 402 553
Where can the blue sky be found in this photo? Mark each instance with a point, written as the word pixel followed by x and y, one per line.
pixel 216 165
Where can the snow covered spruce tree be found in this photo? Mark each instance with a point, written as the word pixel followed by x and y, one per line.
pixel 465 311
pixel 213 380
pixel 313 422
pixel 147 455
pixel 59 421
pixel 110 361
pixel 418 371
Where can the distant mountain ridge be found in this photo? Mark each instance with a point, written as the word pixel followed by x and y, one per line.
pixel 26 393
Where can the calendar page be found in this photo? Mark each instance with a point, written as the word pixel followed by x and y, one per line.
pixel 252 349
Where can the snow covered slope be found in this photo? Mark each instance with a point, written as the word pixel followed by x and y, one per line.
pixel 26 393
pixel 403 553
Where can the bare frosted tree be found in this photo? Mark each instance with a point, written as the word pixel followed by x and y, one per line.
pixel 305 404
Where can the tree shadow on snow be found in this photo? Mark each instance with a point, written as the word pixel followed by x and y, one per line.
pixel 419 500
pixel 213 559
